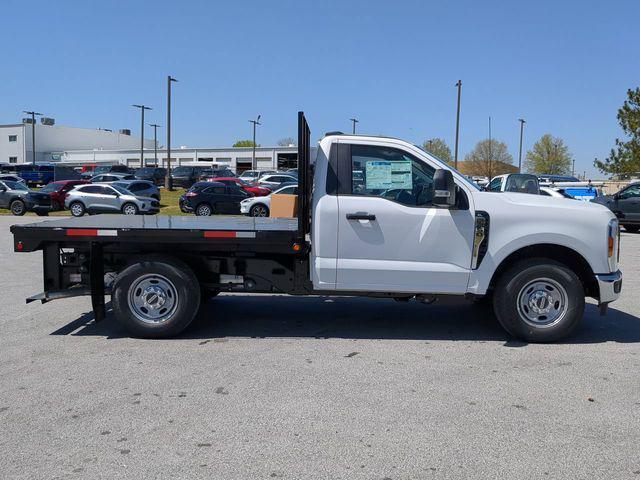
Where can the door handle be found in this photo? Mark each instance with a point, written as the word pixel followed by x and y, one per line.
pixel 361 216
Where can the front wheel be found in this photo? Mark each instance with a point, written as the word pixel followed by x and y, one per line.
pixel 539 300
pixel 156 298
pixel 129 209
pixel 18 208
pixel 259 210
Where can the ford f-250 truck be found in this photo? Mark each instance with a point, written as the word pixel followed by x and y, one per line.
pixel 406 226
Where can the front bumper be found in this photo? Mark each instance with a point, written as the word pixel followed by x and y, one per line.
pixel 610 285
pixel 244 208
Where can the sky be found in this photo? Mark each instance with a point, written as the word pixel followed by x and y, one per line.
pixel 564 66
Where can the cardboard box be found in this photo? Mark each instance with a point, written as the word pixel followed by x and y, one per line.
pixel 283 206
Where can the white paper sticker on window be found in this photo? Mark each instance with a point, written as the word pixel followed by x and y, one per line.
pixel 401 176
pixel 378 175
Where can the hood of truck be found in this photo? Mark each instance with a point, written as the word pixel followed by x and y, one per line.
pixel 539 204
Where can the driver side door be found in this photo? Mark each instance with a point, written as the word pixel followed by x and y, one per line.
pixel 390 236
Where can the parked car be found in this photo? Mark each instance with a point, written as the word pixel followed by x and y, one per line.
pixel 108 198
pixel 274 181
pixel 15 196
pixel 186 176
pixel 58 192
pixel 548 178
pixel 140 188
pixel 255 190
pixel 254 175
pixel 207 198
pixel 12 178
pixel 102 169
pixel 112 177
pixel 153 174
pixel 38 174
pixel 216 173
pixel 261 206
pixel 626 206
pixel 515 182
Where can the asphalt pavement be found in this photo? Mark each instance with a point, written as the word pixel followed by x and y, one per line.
pixel 271 387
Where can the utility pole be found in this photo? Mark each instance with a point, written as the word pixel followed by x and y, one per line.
pixel 522 122
pixel 253 156
pixel 167 179
pixel 490 149
pixel 33 132
pixel 142 109
pixel 354 121
pixel 573 168
pixel 155 141
pixel 455 157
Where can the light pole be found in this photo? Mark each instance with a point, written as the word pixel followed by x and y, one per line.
pixel 455 156
pixel 167 179
pixel 573 168
pixel 142 109
pixel 253 156
pixel 490 148
pixel 354 121
pixel 155 141
pixel 33 132
pixel 522 122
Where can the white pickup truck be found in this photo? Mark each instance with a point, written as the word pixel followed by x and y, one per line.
pixel 405 226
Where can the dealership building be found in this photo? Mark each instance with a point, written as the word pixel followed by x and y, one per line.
pixel 72 146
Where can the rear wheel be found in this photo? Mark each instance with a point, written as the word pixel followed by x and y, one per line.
pixel 204 210
pixel 77 209
pixel 18 208
pixel 259 210
pixel 156 298
pixel 632 228
pixel 129 209
pixel 539 300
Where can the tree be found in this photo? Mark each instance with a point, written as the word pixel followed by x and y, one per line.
pixel 244 143
pixel 625 157
pixel 549 155
pixel 488 159
pixel 286 142
pixel 439 148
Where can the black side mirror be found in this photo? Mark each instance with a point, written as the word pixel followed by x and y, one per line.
pixel 444 189
pixel 3 188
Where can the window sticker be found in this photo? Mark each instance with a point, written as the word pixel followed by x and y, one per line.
pixel 378 175
pixel 401 176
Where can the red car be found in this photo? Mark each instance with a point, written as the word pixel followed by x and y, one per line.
pixel 59 190
pixel 247 187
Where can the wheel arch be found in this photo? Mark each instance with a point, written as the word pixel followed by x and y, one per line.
pixel 559 253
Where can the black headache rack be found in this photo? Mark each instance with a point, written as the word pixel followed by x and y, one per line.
pixel 75 250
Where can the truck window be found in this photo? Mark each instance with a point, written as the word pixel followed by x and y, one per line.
pixel 630 192
pixel 392 174
pixel 495 184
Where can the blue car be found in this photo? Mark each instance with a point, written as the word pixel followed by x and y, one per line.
pixel 38 174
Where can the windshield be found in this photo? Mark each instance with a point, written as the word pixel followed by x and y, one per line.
pixel 121 190
pixel 103 169
pixel 15 185
pixel 146 171
pixel 52 187
pixel 461 175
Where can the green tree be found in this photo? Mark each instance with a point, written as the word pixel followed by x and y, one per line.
pixel 244 143
pixel 489 158
pixel 624 158
pixel 439 148
pixel 286 142
pixel 549 155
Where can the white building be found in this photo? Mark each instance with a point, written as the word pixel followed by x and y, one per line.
pixel 236 159
pixel 16 144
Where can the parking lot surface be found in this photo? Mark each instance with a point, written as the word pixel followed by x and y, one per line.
pixel 276 387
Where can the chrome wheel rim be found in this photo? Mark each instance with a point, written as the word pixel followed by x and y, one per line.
pixel 204 211
pixel 17 208
pixel 129 210
pixel 153 298
pixel 259 211
pixel 542 302
pixel 76 210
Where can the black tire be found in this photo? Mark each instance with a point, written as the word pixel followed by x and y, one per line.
pixel 204 210
pixel 77 209
pixel 535 283
pixel 130 209
pixel 18 208
pixel 259 210
pixel 129 287
pixel 632 228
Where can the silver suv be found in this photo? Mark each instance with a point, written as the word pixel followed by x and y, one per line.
pixel 102 198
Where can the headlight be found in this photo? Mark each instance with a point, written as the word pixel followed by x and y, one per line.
pixel 613 242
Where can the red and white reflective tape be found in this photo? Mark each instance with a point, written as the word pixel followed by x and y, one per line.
pixel 90 232
pixel 228 234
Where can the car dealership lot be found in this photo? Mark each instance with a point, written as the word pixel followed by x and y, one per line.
pixel 276 387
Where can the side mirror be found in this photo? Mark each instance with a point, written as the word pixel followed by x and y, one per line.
pixel 444 189
pixel 3 188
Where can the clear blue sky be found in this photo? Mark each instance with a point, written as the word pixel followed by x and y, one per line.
pixel 564 66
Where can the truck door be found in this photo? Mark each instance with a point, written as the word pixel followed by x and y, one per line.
pixel 390 237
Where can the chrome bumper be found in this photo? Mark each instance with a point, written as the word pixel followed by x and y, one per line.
pixel 610 285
